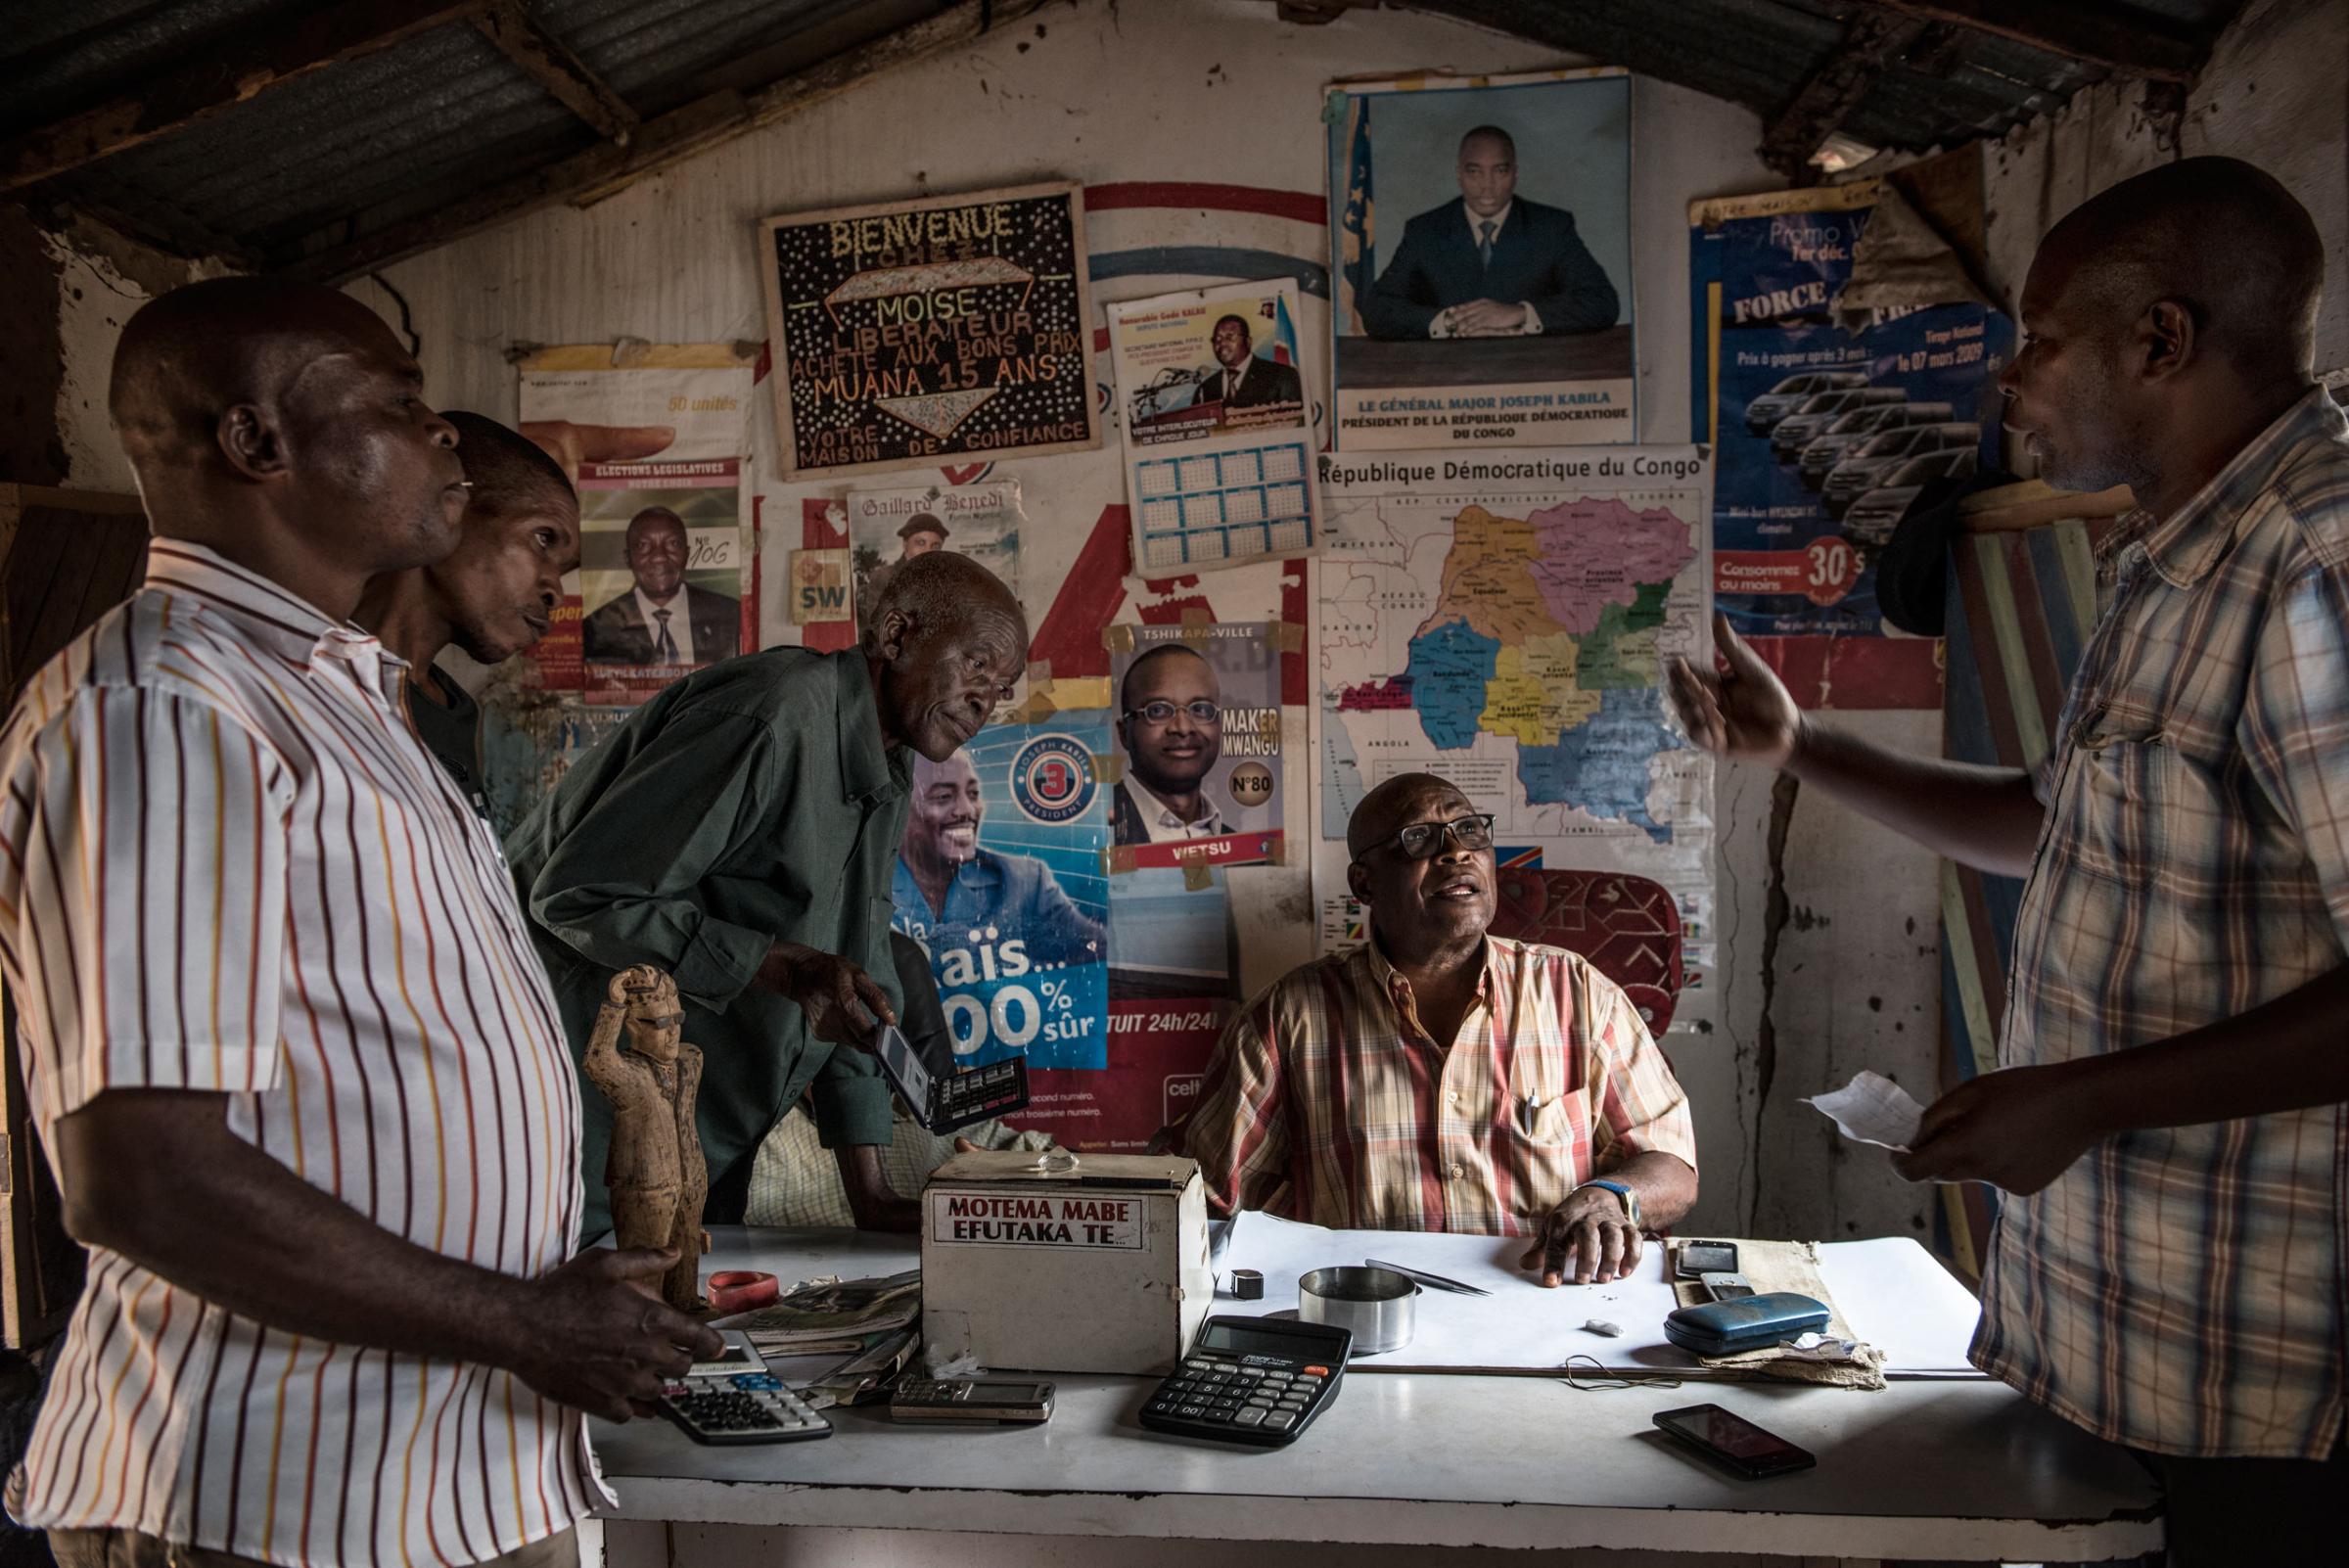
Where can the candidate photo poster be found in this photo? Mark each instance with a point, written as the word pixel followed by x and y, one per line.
pixel 1207 361
pixel 1197 725
pixel 1000 878
pixel 1481 261
pixel 633 402
pixel 661 573
pixel 1219 426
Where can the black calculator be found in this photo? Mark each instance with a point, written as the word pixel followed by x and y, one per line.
pixel 734 1398
pixel 1258 1380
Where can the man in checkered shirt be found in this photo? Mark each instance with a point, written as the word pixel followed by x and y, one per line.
pixel 2168 1119
pixel 1438 1077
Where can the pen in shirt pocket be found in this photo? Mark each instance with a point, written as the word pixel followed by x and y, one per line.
pixel 1529 1112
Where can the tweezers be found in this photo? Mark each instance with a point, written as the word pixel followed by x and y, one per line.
pixel 1426 1278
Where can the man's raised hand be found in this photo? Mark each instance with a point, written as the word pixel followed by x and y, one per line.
pixel 1740 710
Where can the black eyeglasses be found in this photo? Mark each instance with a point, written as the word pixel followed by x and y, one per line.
pixel 1202 712
pixel 1423 839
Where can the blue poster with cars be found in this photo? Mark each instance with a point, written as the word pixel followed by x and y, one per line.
pixel 1000 878
pixel 1823 437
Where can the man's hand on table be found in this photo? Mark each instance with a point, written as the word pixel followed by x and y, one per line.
pixel 2017 1130
pixel 844 1005
pixel 1586 1240
pixel 595 1334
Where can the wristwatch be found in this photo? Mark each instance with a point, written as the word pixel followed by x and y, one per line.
pixel 1630 1199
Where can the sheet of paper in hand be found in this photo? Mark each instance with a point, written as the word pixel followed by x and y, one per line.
pixel 1871 1109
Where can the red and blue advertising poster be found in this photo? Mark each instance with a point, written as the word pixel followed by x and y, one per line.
pixel 1824 437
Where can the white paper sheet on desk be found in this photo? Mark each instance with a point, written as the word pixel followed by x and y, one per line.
pixel 1872 1110
pixel 1520 1327
pixel 1890 1291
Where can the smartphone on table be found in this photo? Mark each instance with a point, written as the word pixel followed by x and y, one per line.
pixel 1733 1442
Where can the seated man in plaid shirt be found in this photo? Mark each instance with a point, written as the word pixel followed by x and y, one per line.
pixel 1440 1079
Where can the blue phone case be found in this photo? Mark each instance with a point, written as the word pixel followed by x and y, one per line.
pixel 1750 1323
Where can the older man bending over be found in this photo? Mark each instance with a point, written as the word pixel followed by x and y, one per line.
pixel 1437 1078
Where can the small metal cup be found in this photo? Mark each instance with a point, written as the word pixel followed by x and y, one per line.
pixel 1376 1305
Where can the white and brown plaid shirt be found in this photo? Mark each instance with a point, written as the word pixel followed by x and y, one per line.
pixel 2180 1290
pixel 1326 1101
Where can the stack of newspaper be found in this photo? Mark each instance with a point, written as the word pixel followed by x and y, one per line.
pixel 832 1315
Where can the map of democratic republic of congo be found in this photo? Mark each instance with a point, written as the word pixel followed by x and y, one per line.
pixel 1505 620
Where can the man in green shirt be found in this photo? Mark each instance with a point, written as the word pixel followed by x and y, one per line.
pixel 740 831
pixel 493 598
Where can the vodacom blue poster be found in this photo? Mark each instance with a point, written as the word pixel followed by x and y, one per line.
pixel 1000 879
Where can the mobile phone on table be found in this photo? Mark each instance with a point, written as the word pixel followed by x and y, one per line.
pixel 1727 1287
pixel 999 1401
pixel 1693 1260
pixel 1733 1442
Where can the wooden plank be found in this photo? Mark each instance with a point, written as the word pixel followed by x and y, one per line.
pixel 219 76
pixel 659 143
pixel 550 62
pixel 1872 41
pixel 2074 30
pixel 64 556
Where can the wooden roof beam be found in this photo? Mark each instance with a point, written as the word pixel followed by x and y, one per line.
pixel 659 143
pixel 1872 41
pixel 217 76
pixel 2074 30
pixel 547 60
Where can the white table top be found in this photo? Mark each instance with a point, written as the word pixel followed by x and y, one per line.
pixel 1927 1469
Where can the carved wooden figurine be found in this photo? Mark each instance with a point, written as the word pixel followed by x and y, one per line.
pixel 656 1173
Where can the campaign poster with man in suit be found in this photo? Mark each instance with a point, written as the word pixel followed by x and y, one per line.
pixel 1481 259
pixel 660 573
pixel 1219 421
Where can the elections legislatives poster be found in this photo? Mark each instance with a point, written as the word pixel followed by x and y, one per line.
pixel 642 427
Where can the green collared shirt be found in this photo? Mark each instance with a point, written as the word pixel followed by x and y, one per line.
pixel 750 802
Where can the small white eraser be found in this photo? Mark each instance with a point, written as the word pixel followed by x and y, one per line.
pixel 1599 1325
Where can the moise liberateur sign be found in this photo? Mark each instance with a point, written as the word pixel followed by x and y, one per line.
pixel 911 334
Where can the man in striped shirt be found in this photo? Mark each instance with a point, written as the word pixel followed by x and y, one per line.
pixel 293 1060
pixel 1437 1078
pixel 2169 1123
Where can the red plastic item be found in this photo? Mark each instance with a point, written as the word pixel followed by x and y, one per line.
pixel 738 1290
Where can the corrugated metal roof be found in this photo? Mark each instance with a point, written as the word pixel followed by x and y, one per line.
pixel 349 150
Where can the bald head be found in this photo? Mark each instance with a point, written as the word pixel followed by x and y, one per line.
pixel 1398 802
pixel 2218 234
pixel 1432 908
pixel 940 590
pixel 1144 675
pixel 506 469
pixel 283 424
pixel 2166 323
pixel 189 357
pixel 947 642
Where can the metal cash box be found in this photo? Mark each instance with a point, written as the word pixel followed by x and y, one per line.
pixel 1102 1268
